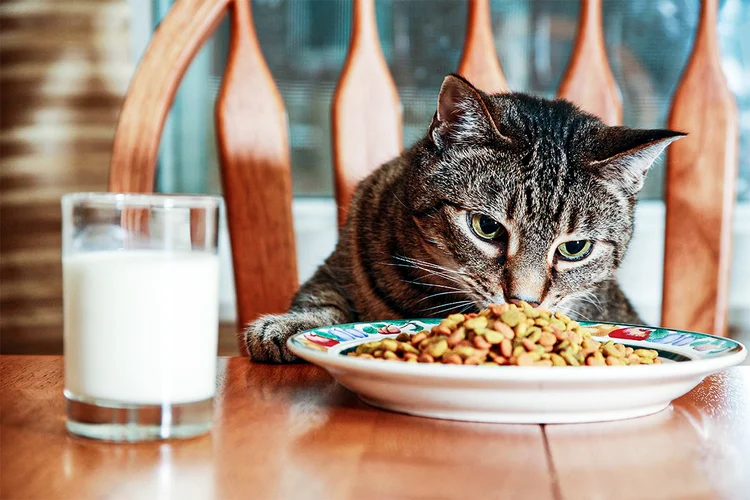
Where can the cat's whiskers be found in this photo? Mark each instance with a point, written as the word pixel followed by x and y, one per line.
pixel 449 307
pixel 454 292
pixel 471 289
pixel 448 277
pixel 465 308
pixel 569 311
pixel 569 303
pixel 432 265
pixel 590 298
pixel 441 306
pixel 454 276
pixel 428 273
pixel 433 284
pixel 458 279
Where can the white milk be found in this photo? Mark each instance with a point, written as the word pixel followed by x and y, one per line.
pixel 141 326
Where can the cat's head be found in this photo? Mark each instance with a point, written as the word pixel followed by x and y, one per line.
pixel 526 198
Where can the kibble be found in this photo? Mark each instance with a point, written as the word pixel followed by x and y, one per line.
pixel 507 334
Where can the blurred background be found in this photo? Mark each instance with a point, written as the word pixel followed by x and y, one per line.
pixel 65 66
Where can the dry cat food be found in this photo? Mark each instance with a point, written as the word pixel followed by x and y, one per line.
pixel 506 335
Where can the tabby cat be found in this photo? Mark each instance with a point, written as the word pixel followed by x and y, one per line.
pixel 509 197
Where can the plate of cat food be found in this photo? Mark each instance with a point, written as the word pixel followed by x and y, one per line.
pixel 516 364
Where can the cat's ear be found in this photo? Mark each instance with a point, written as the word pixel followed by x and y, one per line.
pixel 623 155
pixel 462 116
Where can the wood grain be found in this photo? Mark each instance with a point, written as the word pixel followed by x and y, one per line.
pixel 366 110
pixel 700 194
pixel 588 80
pixel 280 432
pixel 699 448
pixel 175 42
pixel 251 127
pixel 479 63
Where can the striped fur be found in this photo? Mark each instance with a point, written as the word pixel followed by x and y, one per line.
pixel 544 169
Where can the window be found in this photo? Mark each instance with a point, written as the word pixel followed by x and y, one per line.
pixel 305 43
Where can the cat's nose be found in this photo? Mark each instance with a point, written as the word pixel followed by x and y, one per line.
pixel 517 300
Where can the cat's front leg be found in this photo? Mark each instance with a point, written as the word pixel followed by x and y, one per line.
pixel 319 302
pixel 266 337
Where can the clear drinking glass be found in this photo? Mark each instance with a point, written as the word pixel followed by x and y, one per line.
pixel 141 313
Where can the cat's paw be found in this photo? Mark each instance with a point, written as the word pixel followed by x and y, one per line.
pixel 266 337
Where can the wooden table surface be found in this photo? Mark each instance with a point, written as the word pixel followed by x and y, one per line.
pixel 292 432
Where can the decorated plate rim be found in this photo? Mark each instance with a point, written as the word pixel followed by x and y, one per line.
pixel 698 361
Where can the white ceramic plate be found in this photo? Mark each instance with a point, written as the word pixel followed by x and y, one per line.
pixel 514 394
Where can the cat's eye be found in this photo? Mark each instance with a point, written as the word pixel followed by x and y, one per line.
pixel 485 226
pixel 574 250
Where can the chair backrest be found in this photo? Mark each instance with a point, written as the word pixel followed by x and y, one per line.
pixel 255 159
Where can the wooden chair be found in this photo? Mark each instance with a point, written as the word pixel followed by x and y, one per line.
pixel 254 153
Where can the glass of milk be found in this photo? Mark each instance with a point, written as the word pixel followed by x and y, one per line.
pixel 141 314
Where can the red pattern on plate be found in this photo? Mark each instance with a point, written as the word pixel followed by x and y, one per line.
pixel 317 339
pixel 631 333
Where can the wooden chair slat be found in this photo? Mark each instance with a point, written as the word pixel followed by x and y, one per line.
pixel 479 63
pixel 253 145
pixel 151 93
pixel 251 125
pixel 588 80
pixel 366 109
pixel 701 183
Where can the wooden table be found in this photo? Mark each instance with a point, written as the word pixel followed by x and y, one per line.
pixel 292 432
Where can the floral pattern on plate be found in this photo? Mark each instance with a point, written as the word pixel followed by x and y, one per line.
pixel 322 339
pixel 698 342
